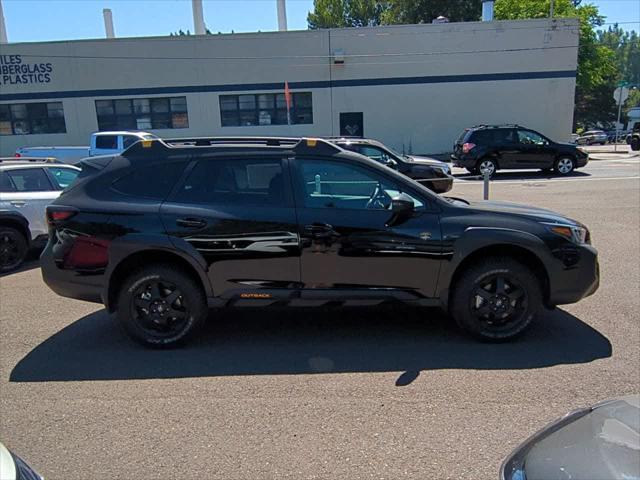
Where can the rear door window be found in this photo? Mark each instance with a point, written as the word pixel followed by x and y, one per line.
pixel 151 181
pixel 505 135
pixel 527 137
pixel 63 177
pixel 30 180
pixel 255 182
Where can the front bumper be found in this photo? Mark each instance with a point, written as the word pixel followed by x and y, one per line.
pixel 438 184
pixel 571 283
pixel 582 161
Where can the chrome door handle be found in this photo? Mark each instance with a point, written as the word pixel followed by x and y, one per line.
pixel 18 203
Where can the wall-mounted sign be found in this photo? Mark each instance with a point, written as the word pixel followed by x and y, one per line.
pixel 14 70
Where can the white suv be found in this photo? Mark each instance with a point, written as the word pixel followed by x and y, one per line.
pixel 27 186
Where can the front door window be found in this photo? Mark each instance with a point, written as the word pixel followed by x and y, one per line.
pixel 339 185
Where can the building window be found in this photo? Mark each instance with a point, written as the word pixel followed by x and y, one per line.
pixel 142 113
pixel 32 118
pixel 265 109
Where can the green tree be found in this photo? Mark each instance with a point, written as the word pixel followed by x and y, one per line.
pixel 345 13
pixel 597 69
pixel 626 49
pixel 424 11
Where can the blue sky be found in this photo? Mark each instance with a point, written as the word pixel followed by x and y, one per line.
pixel 39 20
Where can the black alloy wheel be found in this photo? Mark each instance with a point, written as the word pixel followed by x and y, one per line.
pixel 161 305
pixel 496 299
pixel 13 249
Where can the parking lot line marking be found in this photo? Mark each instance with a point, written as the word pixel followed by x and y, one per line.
pixel 558 180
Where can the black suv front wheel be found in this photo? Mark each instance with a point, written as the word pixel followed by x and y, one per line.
pixel 496 299
pixel 161 306
pixel 564 165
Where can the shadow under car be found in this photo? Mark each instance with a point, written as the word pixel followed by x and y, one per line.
pixel 304 341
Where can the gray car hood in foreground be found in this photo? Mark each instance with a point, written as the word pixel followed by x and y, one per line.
pixel 604 443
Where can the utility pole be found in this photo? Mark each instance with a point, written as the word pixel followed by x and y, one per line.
pixel 3 28
pixel 551 9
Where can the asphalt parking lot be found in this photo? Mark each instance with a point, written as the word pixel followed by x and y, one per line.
pixel 368 393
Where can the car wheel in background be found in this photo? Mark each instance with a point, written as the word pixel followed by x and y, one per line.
pixel 161 306
pixel 496 299
pixel 13 248
pixel 487 165
pixel 635 144
pixel 564 165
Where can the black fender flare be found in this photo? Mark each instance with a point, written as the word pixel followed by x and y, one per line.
pixel 475 239
pixel 124 247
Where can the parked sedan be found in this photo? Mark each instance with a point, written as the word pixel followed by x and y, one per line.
pixel 596 442
pixel 433 174
pixel 593 137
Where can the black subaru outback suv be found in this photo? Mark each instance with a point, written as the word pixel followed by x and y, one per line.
pixel 169 228
pixel 488 148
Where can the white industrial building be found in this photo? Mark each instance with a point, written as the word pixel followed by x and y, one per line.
pixel 414 87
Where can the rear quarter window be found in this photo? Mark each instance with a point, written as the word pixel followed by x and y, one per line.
pixel 465 133
pixel 150 181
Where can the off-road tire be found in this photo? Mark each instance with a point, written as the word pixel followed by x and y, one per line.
pixel 13 248
pixel 463 298
pixel 192 296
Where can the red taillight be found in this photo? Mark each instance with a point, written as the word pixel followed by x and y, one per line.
pixel 467 147
pixel 18 155
pixel 88 252
pixel 59 214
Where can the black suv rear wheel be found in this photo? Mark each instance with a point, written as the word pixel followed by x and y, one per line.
pixel 161 305
pixel 496 299
pixel 487 165
pixel 13 248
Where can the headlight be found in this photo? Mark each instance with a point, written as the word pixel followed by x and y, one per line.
pixel 573 233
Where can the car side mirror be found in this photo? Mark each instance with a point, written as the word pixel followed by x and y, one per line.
pixel 390 162
pixel 402 204
pixel 402 207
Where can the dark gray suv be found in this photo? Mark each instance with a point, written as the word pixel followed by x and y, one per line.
pixel 488 148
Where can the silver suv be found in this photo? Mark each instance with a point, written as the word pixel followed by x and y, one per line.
pixel 27 186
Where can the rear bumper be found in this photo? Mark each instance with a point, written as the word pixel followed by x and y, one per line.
pixel 86 286
pixel 581 279
pixel 463 161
